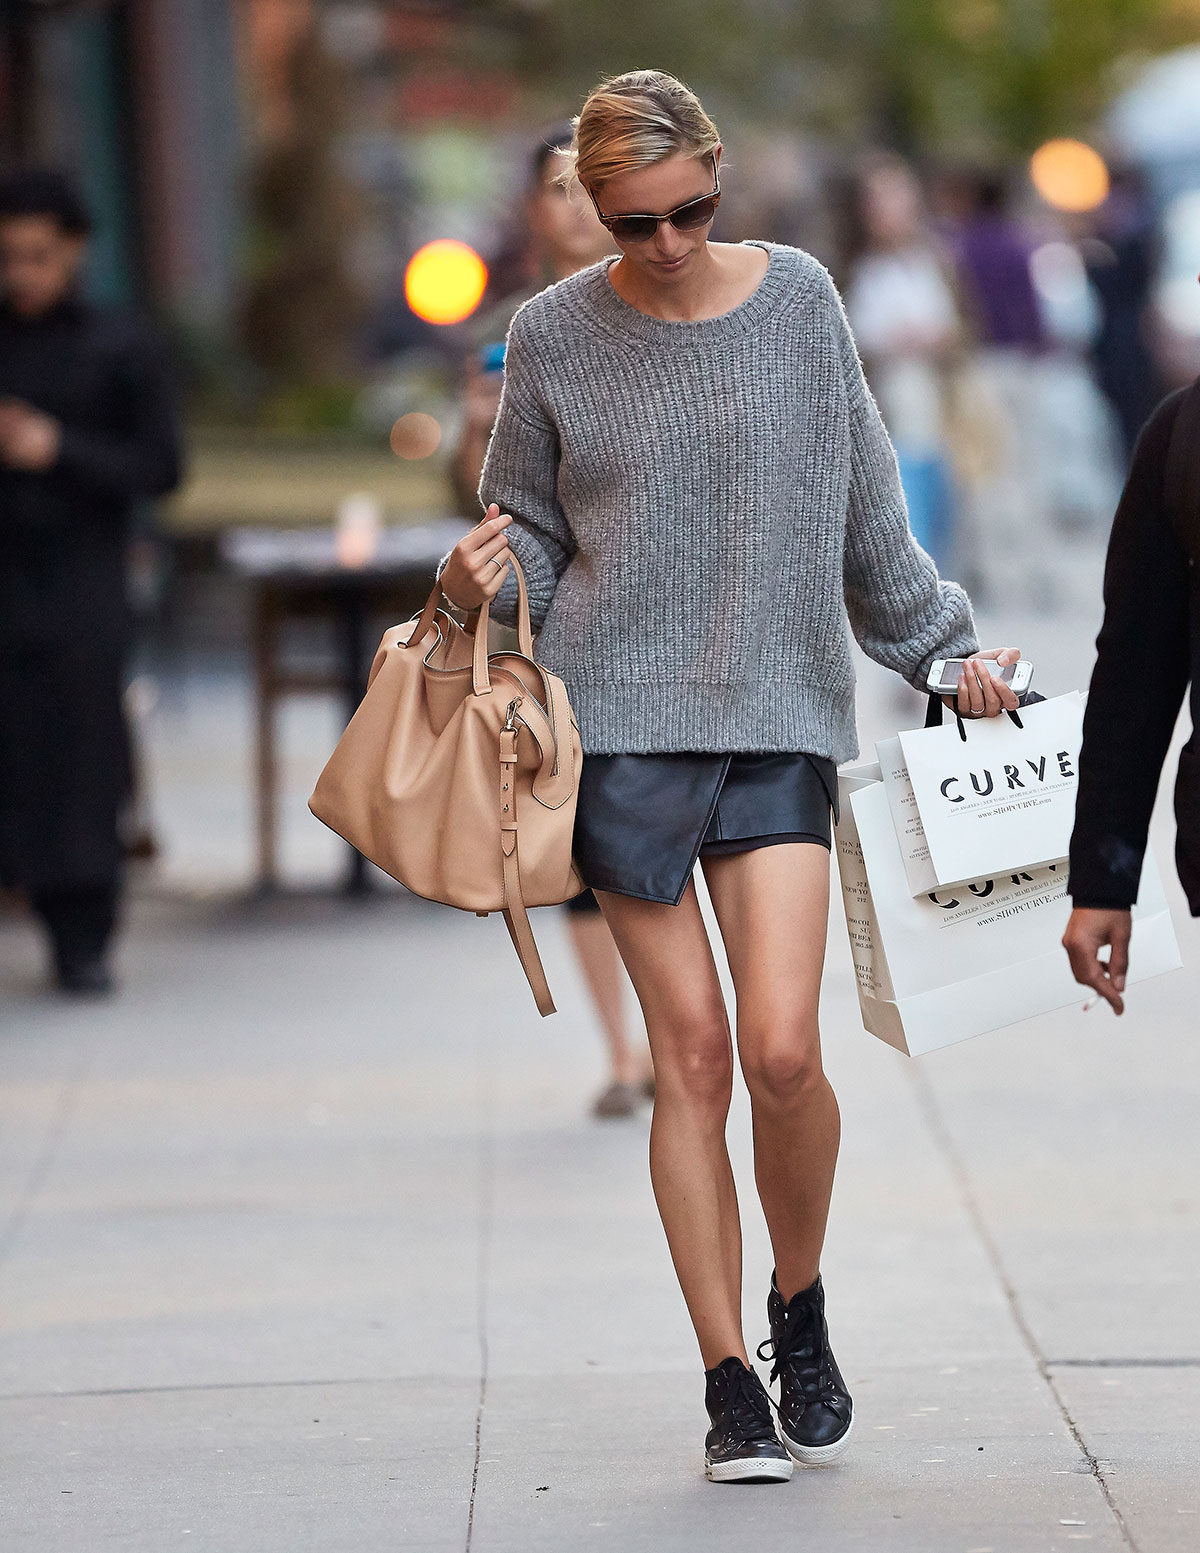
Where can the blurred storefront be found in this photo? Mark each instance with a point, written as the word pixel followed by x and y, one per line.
pixel 166 109
pixel 139 99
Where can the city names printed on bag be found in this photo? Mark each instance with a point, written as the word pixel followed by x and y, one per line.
pixel 1024 891
pixel 910 833
pixel 870 968
pixel 986 782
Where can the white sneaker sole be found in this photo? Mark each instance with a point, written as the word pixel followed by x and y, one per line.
pixel 818 1455
pixel 754 1470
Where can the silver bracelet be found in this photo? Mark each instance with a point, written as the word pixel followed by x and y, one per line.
pixel 462 608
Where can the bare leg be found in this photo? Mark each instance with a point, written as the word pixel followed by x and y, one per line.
pixel 772 905
pixel 601 965
pixel 668 956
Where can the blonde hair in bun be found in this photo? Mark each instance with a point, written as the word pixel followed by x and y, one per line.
pixel 632 120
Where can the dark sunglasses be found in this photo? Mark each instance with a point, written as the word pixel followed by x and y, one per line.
pixel 684 218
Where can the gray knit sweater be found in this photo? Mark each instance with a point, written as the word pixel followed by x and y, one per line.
pixel 701 509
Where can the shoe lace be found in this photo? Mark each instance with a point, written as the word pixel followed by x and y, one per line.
pixel 749 1406
pixel 802 1348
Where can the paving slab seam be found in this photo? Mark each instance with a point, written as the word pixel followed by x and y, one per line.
pixel 486 1165
pixel 184 1389
pixel 55 1131
pixel 942 1137
pixel 1123 1364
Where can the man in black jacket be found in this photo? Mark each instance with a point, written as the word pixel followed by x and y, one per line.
pixel 87 426
pixel 1148 650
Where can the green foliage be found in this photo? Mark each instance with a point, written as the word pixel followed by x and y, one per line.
pixel 1010 73
pixel 300 306
pixel 724 49
pixel 968 76
pixel 311 407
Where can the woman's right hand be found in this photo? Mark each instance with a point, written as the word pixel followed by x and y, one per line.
pixel 478 563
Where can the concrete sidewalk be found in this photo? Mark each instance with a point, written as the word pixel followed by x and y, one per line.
pixel 310 1246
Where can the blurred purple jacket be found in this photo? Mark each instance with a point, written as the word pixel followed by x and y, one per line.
pixel 993 261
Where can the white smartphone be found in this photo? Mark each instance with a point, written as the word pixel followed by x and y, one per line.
pixel 943 676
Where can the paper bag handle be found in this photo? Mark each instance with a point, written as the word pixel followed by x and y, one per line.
pixel 934 715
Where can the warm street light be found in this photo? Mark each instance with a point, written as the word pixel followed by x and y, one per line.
pixel 1069 175
pixel 444 281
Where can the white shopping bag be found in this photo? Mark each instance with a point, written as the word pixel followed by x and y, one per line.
pixel 978 798
pixel 956 962
pixel 910 833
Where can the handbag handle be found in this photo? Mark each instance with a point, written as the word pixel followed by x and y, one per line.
pixel 480 678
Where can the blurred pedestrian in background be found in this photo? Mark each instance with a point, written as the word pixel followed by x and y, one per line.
pixel 1006 506
pixel 993 253
pixel 1122 258
pixel 566 236
pixel 1148 650
pixel 902 308
pixel 559 236
pixel 87 425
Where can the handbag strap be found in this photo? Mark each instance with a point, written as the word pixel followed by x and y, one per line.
pixel 553 783
pixel 516 918
pixel 480 678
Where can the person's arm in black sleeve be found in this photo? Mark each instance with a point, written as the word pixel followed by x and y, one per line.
pixel 140 455
pixel 1138 685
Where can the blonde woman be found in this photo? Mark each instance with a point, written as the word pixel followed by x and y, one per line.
pixel 697 483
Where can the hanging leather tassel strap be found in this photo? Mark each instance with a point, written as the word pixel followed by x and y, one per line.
pixel 516 918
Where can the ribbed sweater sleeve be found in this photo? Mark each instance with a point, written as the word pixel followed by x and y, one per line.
pixel 520 472
pixel 901 613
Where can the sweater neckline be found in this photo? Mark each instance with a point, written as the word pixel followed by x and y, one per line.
pixel 612 311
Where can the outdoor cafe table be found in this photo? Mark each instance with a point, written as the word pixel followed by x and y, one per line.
pixel 295 574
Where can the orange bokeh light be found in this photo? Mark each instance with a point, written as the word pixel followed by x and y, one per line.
pixel 445 281
pixel 1069 175
pixel 415 435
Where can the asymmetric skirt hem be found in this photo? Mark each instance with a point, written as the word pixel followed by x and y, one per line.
pixel 642 821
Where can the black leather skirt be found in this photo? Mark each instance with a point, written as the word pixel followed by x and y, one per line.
pixel 643 820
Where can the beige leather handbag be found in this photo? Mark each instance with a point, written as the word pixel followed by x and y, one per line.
pixel 459 772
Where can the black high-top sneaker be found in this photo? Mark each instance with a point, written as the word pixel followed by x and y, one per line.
pixel 815 1410
pixel 741 1446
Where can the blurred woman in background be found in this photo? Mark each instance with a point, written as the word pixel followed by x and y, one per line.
pixel 902 307
pixel 565 237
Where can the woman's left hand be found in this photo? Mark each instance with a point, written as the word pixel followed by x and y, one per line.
pixel 980 693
